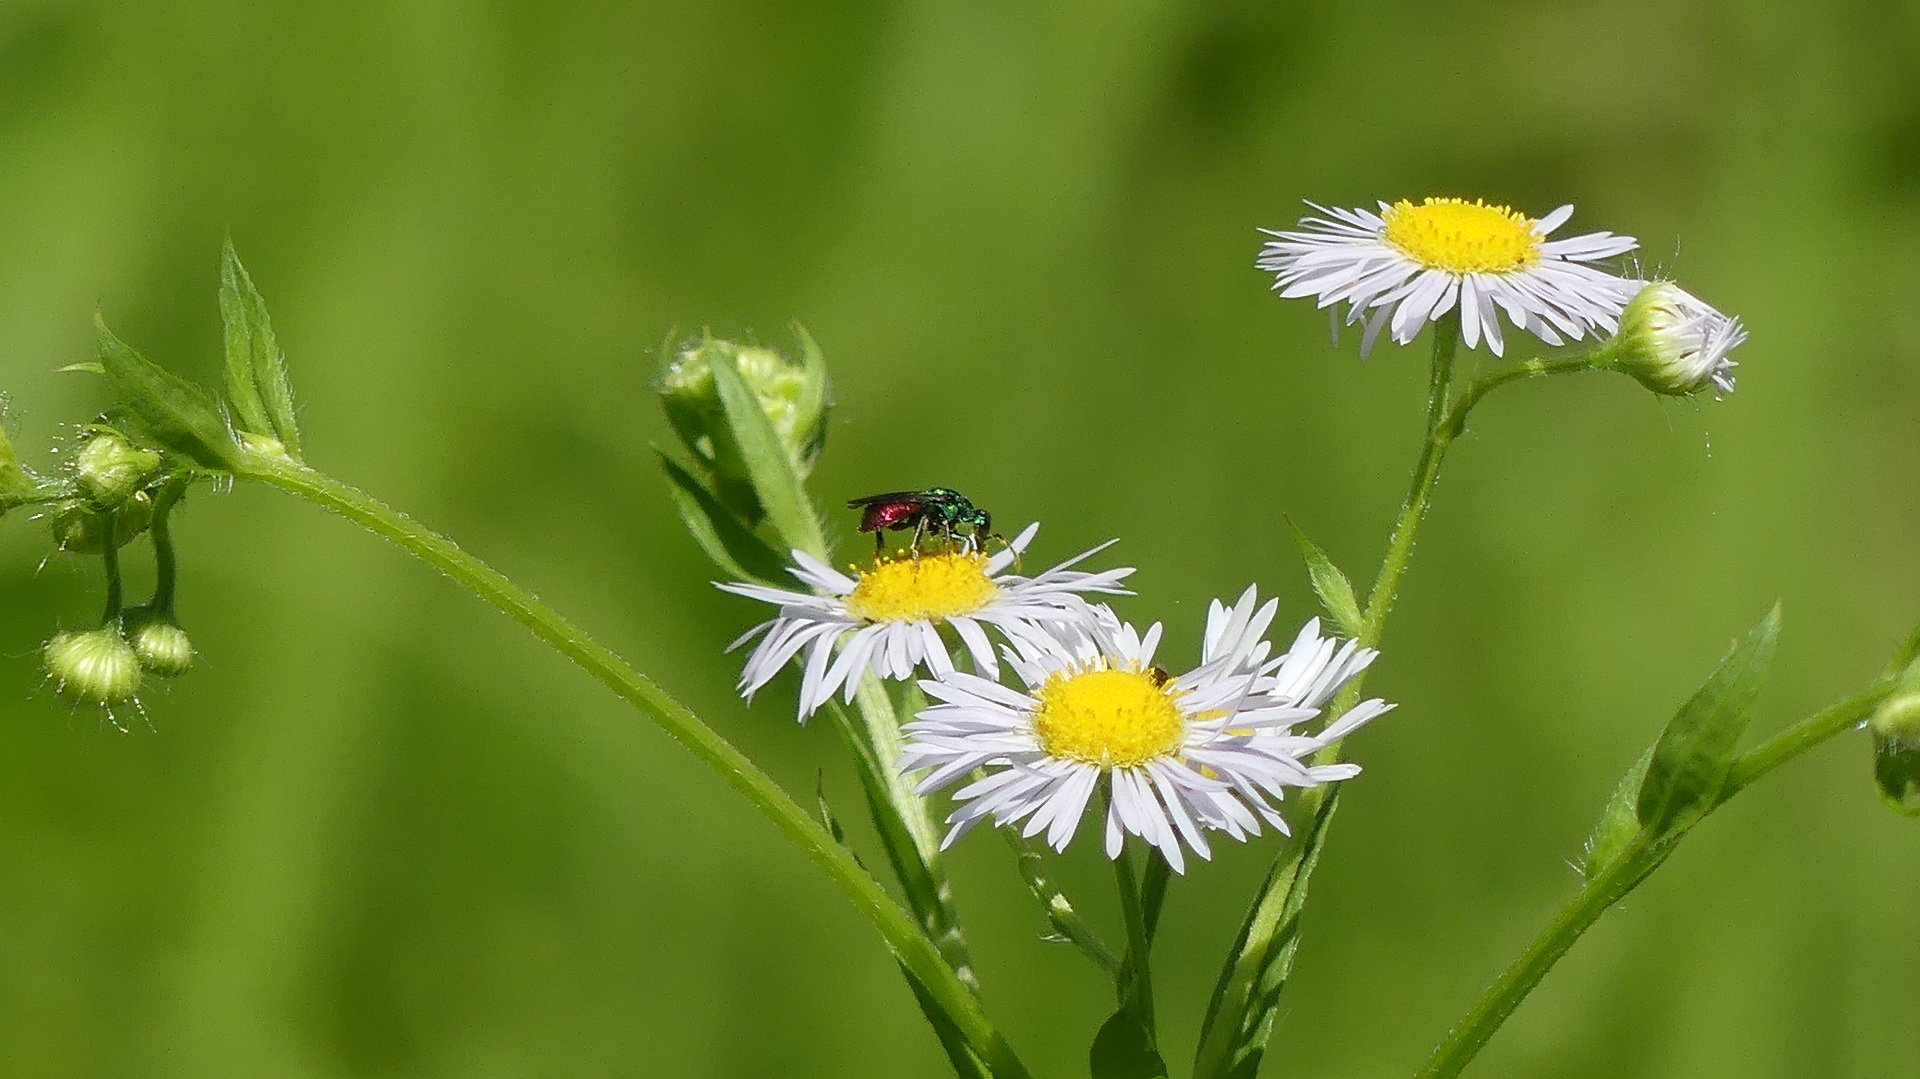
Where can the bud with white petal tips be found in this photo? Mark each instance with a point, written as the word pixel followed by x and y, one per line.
pixel 97 666
pixel 1673 342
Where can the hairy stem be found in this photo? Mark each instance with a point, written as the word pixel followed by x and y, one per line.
pixel 110 561
pixel 909 944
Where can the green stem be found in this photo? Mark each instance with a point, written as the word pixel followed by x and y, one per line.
pixel 1153 891
pixel 911 946
pixel 166 565
pixel 1634 864
pixel 1135 989
pixel 110 561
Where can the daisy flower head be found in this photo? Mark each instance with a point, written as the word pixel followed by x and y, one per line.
pixel 1213 749
pixel 886 617
pixel 1411 263
pixel 1675 343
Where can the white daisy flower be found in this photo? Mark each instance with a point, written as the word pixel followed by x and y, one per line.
pixel 1213 749
pixel 1409 264
pixel 886 617
pixel 1674 342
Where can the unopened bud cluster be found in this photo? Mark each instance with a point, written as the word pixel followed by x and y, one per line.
pixel 1673 342
pixel 791 394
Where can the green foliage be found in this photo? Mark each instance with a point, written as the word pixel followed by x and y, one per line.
pixel 1240 1014
pixel 1697 749
pixel 1123 1049
pixel 732 546
pixel 163 409
pixel 257 384
pixel 776 479
pixel 1331 585
pixel 1619 822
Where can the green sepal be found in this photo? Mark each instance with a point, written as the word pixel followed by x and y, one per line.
pixel 1246 998
pixel 1696 751
pixel 16 487
pixel 1123 1049
pixel 1619 822
pixel 1331 585
pixel 1896 771
pixel 163 409
pixel 725 539
pixel 775 481
pixel 256 368
pixel 816 400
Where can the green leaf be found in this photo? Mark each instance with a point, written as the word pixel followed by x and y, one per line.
pixel 1619 822
pixel 1331 585
pixel 779 487
pixel 1062 917
pixel 256 368
pixel 965 1064
pixel 1696 751
pixel 164 409
pixel 1240 1016
pixel 731 545
pixel 1124 1050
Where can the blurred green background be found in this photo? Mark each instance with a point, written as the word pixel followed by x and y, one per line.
pixel 381 832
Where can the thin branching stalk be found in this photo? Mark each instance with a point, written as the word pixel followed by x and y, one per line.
pixel 1641 857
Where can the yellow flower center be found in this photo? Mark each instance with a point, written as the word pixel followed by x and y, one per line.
pixel 1112 718
pixel 1462 237
pixel 930 587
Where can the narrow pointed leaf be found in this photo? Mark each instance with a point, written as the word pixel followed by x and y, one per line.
pixel 965 1064
pixel 1239 1019
pixel 1619 822
pixel 164 409
pixel 1696 751
pixel 1124 1050
pixel 735 549
pixel 256 368
pixel 1331 585
pixel 779 487
pixel 1068 926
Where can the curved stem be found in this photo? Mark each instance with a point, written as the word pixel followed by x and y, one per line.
pixel 110 560
pixel 911 946
pixel 166 563
pixel 1634 864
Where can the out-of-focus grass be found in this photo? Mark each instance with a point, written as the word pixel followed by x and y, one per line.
pixel 380 833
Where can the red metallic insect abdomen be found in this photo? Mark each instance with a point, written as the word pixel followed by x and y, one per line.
pixel 894 515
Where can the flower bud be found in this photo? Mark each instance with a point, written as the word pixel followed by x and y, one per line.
pixel 792 394
pixel 16 487
pixel 160 643
pixel 111 469
pixel 94 667
pixel 1896 745
pixel 78 527
pixel 1673 343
